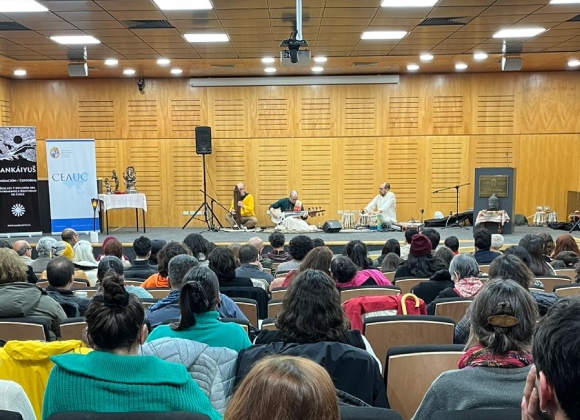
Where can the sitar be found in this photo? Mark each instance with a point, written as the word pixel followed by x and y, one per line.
pixel 310 212
pixel 237 208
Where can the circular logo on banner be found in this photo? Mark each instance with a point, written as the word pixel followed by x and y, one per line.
pixel 18 210
pixel 55 153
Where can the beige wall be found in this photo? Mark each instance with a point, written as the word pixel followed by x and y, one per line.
pixel 334 144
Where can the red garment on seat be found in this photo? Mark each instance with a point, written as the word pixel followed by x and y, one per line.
pixel 356 307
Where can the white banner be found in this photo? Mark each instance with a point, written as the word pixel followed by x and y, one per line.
pixel 72 183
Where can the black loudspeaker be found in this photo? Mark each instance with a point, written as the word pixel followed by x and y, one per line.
pixel 332 226
pixel 203 140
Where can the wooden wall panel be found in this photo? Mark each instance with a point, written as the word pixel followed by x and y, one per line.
pixel 334 144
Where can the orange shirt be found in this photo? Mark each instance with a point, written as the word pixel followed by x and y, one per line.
pixel 155 281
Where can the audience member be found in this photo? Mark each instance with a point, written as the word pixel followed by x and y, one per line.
pixel 421 262
pixel 199 247
pixel 445 255
pixel 24 251
pixel 13 398
pixel 60 274
pixel 109 379
pixel 4 243
pixel 141 269
pixel 311 312
pixel 278 254
pixel 282 388
pixel 534 245
pixel 84 260
pixel 113 246
pixel 168 307
pixel 299 246
pixel 112 263
pixel 44 251
pixel 18 298
pixel 391 246
pixel 390 263
pixel 565 242
pixel 70 236
pixel 452 243
pixel 169 250
pixel 434 238
pixel 406 248
pixel 496 242
pixel 198 300
pixel 482 242
pixel 343 270
pixel 250 265
pixel 464 272
pixel 551 390
pixel 156 246
pixel 547 245
pixel 259 245
pixel 438 282
pixel 492 372
pixel 357 251
pixel 235 247
pixel 63 249
pixel 223 263
pixel 568 259
pixel 318 258
pixel 316 242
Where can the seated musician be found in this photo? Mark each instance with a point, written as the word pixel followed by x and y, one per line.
pixel 248 217
pixel 385 203
pixel 292 205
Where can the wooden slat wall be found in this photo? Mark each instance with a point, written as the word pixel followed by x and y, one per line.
pixel 334 144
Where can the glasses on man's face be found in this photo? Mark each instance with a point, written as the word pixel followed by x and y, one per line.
pixel 29 249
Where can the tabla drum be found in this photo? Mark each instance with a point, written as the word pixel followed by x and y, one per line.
pixel 373 221
pixel 540 218
pixel 553 217
pixel 348 221
pixel 363 219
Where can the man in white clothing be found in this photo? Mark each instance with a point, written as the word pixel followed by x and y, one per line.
pixel 385 203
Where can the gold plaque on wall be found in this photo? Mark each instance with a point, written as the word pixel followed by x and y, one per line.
pixel 489 184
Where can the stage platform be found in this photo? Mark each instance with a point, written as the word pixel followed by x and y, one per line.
pixel 375 240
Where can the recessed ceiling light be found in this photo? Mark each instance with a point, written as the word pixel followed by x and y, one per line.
pixel 163 61
pixel 461 66
pixel 75 40
pixel 317 69
pixel 412 67
pixel 111 62
pixel 183 4
pixel 270 70
pixel 129 72
pixel 408 3
pixel 564 1
pixel 320 59
pixel 574 63
pixel 268 60
pixel 9 6
pixel 19 72
pixel 383 34
pixel 176 71
pixel 426 57
pixel 207 37
pixel 518 33
pixel 480 56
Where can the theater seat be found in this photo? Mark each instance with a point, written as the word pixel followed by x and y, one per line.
pixel 167 415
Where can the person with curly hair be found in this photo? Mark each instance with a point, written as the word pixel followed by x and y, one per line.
pixel 222 262
pixel 298 248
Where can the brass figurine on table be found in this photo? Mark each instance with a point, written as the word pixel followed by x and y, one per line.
pixel 108 186
pixel 130 180
pixel 116 179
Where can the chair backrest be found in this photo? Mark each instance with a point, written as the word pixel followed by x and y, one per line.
pixel 73 329
pixel 256 293
pixel 567 272
pixel 80 274
pixel 250 308
pixel 43 283
pixel 384 332
pixel 159 293
pixel 25 328
pixel 390 275
pixel 269 324
pixel 551 282
pixel 352 292
pixel 453 308
pixel 479 414
pixel 274 308
pixel 279 293
pixel 348 412
pixel 10 415
pixel 409 375
pixel 168 415
pixel 135 283
pixel 262 283
pixel 90 292
pixel 567 290
pixel 484 268
pixel 407 284
pixel 80 284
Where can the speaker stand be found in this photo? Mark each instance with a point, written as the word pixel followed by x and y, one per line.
pixel 208 213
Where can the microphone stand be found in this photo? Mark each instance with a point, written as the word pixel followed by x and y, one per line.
pixel 213 217
pixel 456 223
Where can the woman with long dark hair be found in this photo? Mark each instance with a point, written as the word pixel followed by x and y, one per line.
pixel 199 297
pixel 114 378
pixel 367 274
pixel 535 246
pixel 421 263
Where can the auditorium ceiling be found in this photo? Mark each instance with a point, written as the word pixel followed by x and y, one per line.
pixel 137 33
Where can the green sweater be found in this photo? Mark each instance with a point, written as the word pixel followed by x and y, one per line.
pixel 209 330
pixel 106 382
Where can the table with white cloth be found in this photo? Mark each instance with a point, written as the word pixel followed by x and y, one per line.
pixel 495 216
pixel 124 201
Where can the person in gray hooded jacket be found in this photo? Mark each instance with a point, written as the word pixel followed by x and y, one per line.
pixel 19 298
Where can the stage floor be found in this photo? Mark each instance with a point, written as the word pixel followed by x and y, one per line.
pixel 374 239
